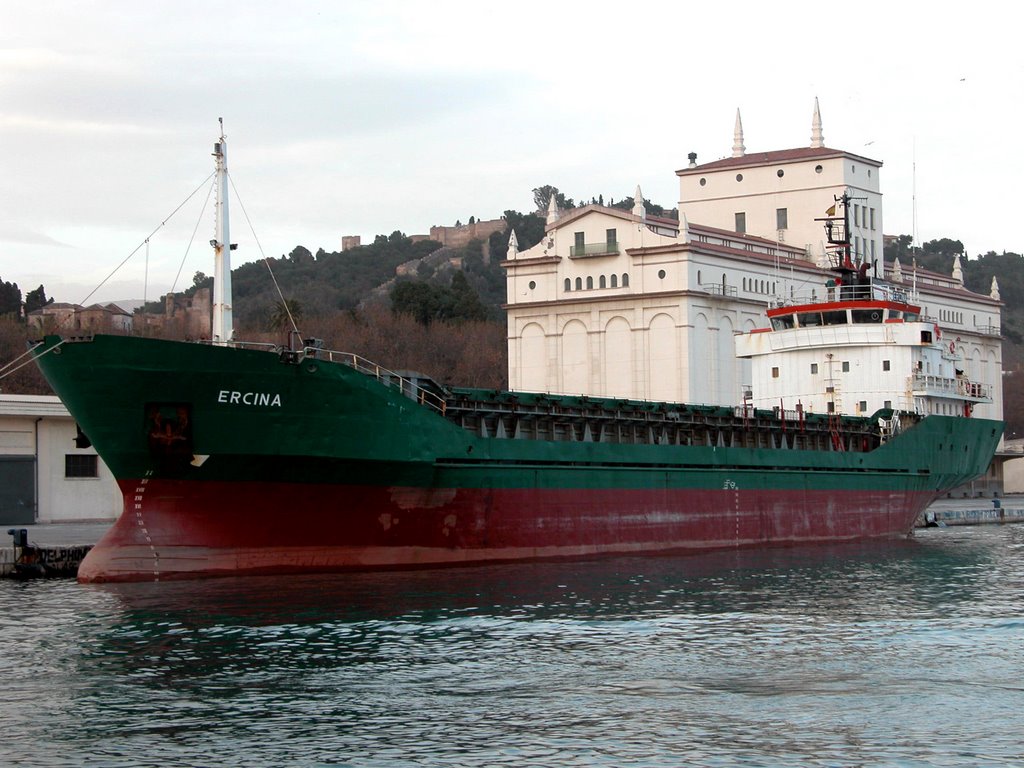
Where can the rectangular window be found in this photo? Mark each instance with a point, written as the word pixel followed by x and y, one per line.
pixel 831 407
pixel 885 365
pixel 741 222
pixel 781 218
pixel 81 465
pixel 873 250
pixel 814 369
pixel 846 366
pixel 887 404
pixel 581 241
pixel 609 237
pixel 775 373
pixel 863 406
pixel 856 214
pixel 872 218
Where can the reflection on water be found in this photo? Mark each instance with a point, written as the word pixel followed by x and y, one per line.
pixel 902 652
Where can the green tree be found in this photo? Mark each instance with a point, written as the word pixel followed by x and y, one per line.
pixel 542 198
pixel 36 300
pixel 653 209
pixel 10 299
pixel 529 230
pixel 418 299
pixel 279 316
pixel 300 255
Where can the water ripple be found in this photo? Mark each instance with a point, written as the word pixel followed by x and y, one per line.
pixel 902 653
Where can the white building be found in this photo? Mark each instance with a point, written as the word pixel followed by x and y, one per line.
pixel 45 477
pixel 619 304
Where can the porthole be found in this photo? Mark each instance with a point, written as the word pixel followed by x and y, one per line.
pixel 661 274
pixel 532 285
pixel 703 182
pixel 818 169
pixel 739 177
pixel 780 173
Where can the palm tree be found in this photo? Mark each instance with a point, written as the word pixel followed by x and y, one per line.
pixel 285 314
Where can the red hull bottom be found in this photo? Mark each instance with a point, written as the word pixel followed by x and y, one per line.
pixel 169 531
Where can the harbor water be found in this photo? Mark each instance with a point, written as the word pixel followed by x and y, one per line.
pixel 907 653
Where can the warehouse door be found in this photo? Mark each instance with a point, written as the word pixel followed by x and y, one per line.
pixel 17 490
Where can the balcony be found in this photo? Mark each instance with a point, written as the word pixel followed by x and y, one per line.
pixel 591 250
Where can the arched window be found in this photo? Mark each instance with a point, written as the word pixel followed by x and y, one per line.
pixel 615 281
pixel 590 282
pixel 579 283
pixel 568 285
pixel 625 280
pixel 601 283
pixel 744 283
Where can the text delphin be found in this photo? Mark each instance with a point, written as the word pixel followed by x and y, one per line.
pixel 249 398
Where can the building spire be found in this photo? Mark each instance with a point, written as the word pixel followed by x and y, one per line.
pixel 897 270
pixel 684 228
pixel 738 150
pixel 552 209
pixel 817 139
pixel 994 293
pixel 513 246
pixel 638 204
pixel 958 272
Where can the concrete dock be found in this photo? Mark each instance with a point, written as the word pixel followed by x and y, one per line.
pixel 60 546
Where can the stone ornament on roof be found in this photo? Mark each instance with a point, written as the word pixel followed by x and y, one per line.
pixel 817 138
pixel 738 150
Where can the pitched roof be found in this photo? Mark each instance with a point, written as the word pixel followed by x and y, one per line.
pixel 778 156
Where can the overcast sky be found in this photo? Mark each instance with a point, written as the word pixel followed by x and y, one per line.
pixel 365 118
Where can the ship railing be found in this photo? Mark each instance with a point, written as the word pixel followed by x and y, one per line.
pixel 959 387
pixel 258 345
pixel 987 330
pixel 404 384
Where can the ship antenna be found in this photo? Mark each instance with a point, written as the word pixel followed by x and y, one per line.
pixel 222 247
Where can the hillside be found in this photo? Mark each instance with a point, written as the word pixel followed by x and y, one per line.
pixel 459 291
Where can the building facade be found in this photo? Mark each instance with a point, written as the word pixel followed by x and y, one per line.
pixel 620 304
pixel 48 472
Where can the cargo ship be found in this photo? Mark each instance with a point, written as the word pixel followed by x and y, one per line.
pixel 238 458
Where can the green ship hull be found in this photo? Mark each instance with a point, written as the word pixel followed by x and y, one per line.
pixel 235 460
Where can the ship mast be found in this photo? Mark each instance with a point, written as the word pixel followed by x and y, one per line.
pixel 222 323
